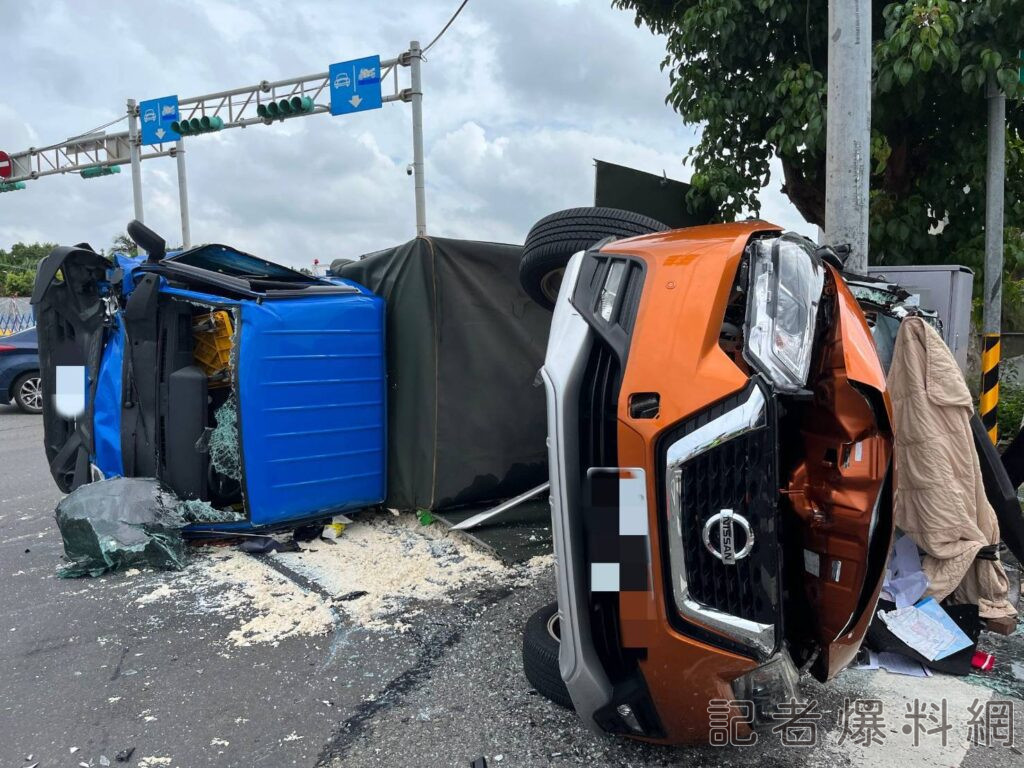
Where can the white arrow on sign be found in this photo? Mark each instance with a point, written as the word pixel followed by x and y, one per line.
pixel 355 101
pixel 160 133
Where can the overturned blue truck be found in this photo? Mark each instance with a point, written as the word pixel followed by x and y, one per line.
pixel 269 397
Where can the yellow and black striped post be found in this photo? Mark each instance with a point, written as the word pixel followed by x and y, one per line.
pixel 990 385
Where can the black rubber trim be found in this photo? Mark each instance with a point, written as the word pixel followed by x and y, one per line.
pixel 617 332
pixel 632 692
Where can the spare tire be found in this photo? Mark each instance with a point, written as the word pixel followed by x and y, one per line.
pixel 339 264
pixel 540 656
pixel 554 239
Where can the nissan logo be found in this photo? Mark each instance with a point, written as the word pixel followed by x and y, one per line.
pixel 720 536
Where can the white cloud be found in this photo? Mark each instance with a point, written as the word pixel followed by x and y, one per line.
pixel 520 96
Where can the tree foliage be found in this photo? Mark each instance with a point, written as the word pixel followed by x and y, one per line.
pixel 753 73
pixel 18 267
pixel 123 243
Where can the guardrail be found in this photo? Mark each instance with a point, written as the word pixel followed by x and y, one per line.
pixel 15 322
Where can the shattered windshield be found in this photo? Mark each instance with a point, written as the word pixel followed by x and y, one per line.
pixel 228 261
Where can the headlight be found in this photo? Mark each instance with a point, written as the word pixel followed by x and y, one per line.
pixel 786 281
pixel 610 291
pixel 774 682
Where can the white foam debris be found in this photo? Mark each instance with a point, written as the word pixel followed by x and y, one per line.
pixel 152 761
pixel 161 592
pixel 397 562
pixel 269 606
pixel 379 573
pixel 282 608
pixel 534 568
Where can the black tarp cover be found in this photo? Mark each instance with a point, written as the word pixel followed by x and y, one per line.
pixel 466 414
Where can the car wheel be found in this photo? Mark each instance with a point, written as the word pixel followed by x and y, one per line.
pixel 28 392
pixel 554 239
pixel 540 655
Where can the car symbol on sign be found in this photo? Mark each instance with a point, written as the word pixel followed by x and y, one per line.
pixel 169 110
pixel 342 80
pixel 150 116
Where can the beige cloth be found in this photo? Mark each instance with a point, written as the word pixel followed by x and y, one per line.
pixel 940 498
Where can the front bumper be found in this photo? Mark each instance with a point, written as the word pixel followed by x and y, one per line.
pixel 571 340
pixel 611 631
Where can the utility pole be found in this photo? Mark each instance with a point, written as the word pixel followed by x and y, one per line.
pixel 848 151
pixel 186 227
pixel 416 97
pixel 135 152
pixel 995 182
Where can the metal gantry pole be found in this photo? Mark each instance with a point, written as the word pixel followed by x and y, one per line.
pixel 135 152
pixel 416 97
pixel 186 227
pixel 995 183
pixel 848 151
pixel 236 108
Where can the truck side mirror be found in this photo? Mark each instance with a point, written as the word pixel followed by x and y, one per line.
pixel 148 240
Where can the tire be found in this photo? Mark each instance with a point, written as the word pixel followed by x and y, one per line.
pixel 338 264
pixel 554 239
pixel 28 392
pixel 540 656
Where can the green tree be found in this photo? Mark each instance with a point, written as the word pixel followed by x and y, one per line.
pixel 124 243
pixel 18 267
pixel 753 74
pixel 16 283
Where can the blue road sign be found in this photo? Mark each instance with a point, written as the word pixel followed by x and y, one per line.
pixel 355 85
pixel 155 117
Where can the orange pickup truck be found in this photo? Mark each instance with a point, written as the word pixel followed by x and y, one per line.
pixel 720 461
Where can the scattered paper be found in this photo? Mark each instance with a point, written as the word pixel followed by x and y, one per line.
pixel 918 630
pixel 930 607
pixel 905 582
pixel 927 629
pixel 905 557
pixel 898 664
pixel 892 662
pixel 907 590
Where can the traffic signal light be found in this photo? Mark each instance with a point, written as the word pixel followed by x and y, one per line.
pixel 11 186
pixel 197 125
pixel 95 171
pixel 285 107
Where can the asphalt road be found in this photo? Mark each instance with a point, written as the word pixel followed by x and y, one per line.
pixel 88 669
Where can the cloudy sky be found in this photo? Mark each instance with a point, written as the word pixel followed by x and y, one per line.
pixel 519 97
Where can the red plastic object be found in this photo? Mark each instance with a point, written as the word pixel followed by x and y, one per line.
pixel 983 661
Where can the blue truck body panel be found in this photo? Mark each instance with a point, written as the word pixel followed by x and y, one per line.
pixel 311 391
pixel 106 416
pixel 310 378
